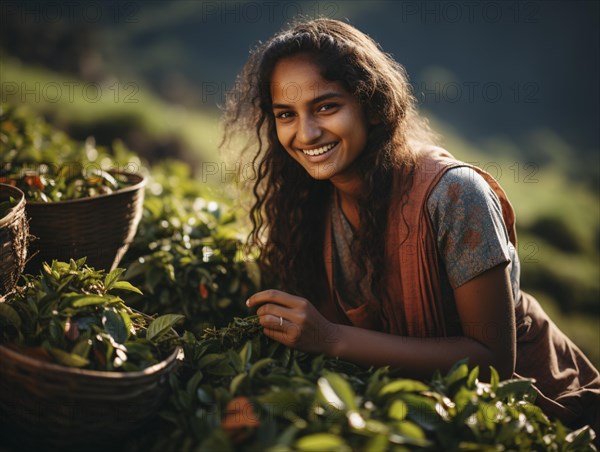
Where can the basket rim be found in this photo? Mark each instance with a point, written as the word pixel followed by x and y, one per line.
pixel 142 180
pixel 74 371
pixel 15 210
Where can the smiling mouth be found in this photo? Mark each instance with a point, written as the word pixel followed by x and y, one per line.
pixel 319 151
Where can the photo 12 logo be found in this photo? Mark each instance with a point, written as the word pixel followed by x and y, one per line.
pixel 471 92
pixel 469 11
pixel 227 12
pixel 74 12
pixel 53 92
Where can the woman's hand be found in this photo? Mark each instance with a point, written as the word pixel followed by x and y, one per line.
pixel 293 321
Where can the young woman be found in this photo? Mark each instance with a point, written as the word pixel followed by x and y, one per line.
pixel 381 248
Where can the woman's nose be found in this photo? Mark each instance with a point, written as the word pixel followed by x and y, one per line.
pixel 309 130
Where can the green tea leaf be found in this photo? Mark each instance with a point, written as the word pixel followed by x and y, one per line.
pixel 278 402
pixel 82 348
pixel 245 354
pixel 379 443
pixel 223 369
pixel 79 301
pixel 337 392
pixel 56 329
pixel 260 364
pixel 456 374
pixel 580 439
pixel 515 387
pixel 403 385
pixel 209 360
pixel 111 278
pixel 204 397
pixel 192 384
pixel 422 410
pixel 471 380
pixel 68 359
pixel 236 381
pixel 126 285
pixel 376 382
pixel 114 325
pixel 494 378
pixel 161 324
pixel 235 360
pixel 319 442
pixel 10 314
pixel 398 410
pixel 284 441
pixel 83 323
pixel 412 431
pixel 127 321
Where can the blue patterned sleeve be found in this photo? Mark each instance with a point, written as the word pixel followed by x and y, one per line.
pixel 467 218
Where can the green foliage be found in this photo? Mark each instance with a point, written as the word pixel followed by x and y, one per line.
pixel 6 206
pixel 49 166
pixel 556 231
pixel 187 256
pixel 238 390
pixel 70 315
pixel 570 278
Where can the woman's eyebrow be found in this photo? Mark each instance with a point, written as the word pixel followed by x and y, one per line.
pixel 316 100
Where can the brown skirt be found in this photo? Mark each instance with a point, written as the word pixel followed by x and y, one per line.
pixel 567 383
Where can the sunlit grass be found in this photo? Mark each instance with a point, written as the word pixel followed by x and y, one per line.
pixel 71 100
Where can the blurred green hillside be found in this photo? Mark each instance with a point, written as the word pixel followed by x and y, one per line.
pixel 558 217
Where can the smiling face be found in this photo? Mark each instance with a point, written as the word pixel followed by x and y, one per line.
pixel 319 123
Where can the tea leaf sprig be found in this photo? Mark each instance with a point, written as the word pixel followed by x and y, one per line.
pixel 71 315
pixel 6 206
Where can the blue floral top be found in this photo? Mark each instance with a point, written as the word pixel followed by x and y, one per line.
pixel 471 237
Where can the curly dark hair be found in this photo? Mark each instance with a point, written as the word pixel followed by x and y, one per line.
pixel 289 205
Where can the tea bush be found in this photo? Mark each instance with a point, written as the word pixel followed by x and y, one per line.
pixel 238 390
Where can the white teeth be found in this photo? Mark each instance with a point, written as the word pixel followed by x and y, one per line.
pixel 319 151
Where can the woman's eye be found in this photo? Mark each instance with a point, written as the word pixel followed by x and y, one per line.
pixel 284 115
pixel 327 107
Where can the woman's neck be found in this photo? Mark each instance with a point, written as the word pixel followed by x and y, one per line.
pixel 348 202
pixel 349 189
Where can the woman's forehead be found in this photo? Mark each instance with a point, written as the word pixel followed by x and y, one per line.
pixel 298 79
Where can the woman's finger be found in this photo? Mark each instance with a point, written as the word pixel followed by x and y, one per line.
pixel 274 322
pixel 287 333
pixel 274 309
pixel 272 296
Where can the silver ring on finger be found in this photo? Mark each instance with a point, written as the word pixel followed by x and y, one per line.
pixel 280 321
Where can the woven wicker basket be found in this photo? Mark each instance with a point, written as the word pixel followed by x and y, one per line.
pixel 56 408
pixel 99 227
pixel 14 233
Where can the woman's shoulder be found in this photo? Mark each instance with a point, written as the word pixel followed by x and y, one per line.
pixel 447 174
pixel 461 185
pixel 463 176
pixel 428 155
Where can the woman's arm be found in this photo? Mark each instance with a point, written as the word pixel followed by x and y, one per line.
pixel 487 317
pixel 484 304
